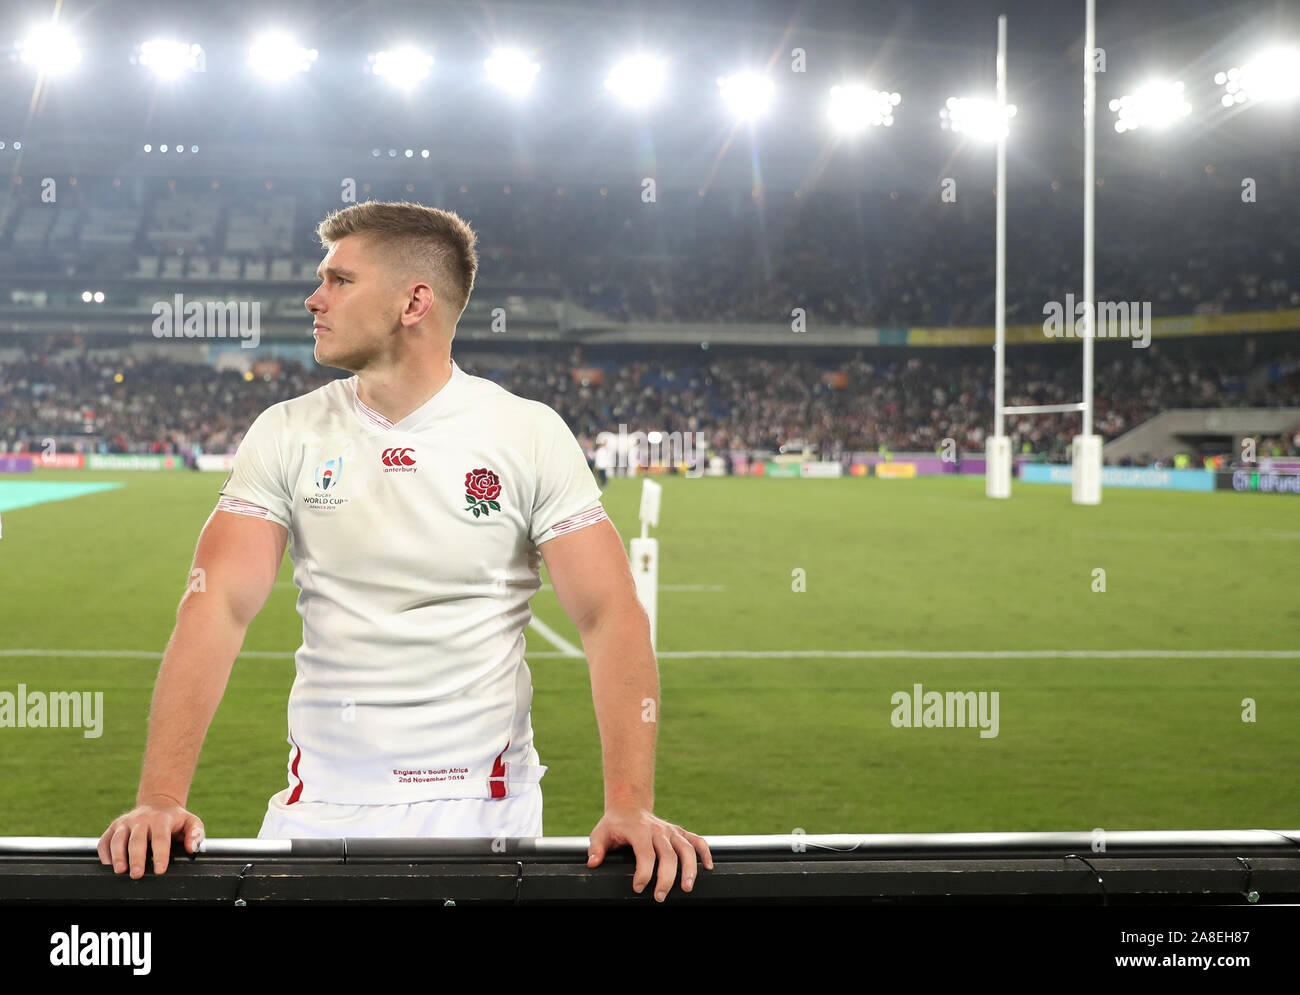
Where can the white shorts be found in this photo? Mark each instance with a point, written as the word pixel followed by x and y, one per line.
pixel 518 815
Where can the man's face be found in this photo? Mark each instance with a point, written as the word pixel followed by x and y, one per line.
pixel 355 308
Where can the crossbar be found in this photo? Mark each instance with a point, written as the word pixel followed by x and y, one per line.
pixel 1036 409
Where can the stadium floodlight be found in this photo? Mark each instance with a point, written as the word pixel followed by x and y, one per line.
pixel 51 49
pixel 854 106
pixel 403 67
pixel 276 55
pixel 1271 77
pixel 512 70
pixel 1152 105
pixel 747 94
pixel 169 59
pixel 976 116
pixel 638 80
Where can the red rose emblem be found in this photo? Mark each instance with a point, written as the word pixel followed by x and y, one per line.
pixel 482 488
pixel 483 484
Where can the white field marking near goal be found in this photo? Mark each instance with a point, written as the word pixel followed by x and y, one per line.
pixel 565 647
pixel 573 651
pixel 548 587
pixel 670 587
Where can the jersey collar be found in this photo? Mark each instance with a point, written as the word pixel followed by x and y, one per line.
pixel 435 405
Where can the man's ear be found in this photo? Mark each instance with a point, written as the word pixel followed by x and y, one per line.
pixel 420 300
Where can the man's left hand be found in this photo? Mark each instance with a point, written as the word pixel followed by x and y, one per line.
pixel 649 837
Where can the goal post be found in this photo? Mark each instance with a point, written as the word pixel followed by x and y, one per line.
pixel 1085 448
pixel 997 449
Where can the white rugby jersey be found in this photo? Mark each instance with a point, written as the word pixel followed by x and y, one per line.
pixel 414 548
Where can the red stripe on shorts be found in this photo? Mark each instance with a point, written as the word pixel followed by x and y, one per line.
pixel 499 772
pixel 297 792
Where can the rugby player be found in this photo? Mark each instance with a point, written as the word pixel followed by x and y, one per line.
pixel 417 503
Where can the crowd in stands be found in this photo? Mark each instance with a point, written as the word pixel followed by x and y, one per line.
pixel 157 407
pixel 880 258
pixel 740 402
pixel 1191 244
pixel 875 260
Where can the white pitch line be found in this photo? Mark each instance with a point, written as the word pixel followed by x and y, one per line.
pixel 565 647
pixel 135 654
pixel 988 654
pixel 548 587
pixel 669 587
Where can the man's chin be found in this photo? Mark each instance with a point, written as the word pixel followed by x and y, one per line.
pixel 325 357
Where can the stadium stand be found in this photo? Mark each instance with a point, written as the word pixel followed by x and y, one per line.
pixel 848 260
pixel 740 401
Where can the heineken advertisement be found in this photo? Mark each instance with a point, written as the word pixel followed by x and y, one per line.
pixel 781 470
pixel 133 461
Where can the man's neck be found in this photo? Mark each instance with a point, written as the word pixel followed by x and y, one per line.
pixel 395 396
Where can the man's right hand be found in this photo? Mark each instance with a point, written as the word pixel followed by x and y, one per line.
pixel 157 819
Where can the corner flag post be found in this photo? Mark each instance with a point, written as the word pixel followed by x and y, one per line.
pixel 645 557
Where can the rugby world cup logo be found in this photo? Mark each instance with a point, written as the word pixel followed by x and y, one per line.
pixel 328 473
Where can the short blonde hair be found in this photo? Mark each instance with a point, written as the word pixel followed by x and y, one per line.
pixel 420 241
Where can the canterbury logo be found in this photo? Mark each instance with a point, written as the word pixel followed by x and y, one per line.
pixel 399 457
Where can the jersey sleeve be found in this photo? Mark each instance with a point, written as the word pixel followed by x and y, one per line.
pixel 566 496
pixel 257 484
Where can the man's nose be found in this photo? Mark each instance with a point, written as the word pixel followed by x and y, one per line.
pixel 312 304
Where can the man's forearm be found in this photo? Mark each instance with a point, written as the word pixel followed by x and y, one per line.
pixel 625 692
pixel 195 670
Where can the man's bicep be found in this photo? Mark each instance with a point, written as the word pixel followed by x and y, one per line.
pixel 239 558
pixel 589 571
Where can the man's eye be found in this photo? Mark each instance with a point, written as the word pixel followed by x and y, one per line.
pixel 342 279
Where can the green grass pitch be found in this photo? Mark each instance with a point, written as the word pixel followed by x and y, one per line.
pixel 759 744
